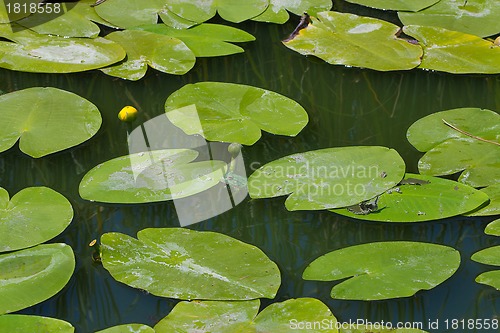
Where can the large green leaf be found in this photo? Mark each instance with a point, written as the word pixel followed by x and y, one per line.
pixel 478 17
pixel 233 113
pixel 34 215
pixel 384 270
pixel 15 323
pixel 404 5
pixel 186 264
pixel 493 207
pixel 277 12
pixel 489 256
pixel 493 228
pixel 128 328
pixel 163 53
pixel 328 178
pixel 46 120
pixel 153 176
pixel 230 10
pixel 30 276
pixel 205 40
pixel 31 52
pixel 459 139
pixel 127 14
pixel 347 39
pixel 297 315
pixel 434 198
pixel 455 52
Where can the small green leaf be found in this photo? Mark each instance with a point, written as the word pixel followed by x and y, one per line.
pixel 493 207
pixel 384 270
pixel 277 12
pixel 127 14
pixel 15 323
pixel 493 228
pixel 233 113
pixel 455 52
pixel 489 256
pixel 34 215
pixel 347 39
pixel 403 5
pixel 440 198
pixel 30 276
pixel 46 120
pixel 328 178
pixel 128 328
pixel 185 264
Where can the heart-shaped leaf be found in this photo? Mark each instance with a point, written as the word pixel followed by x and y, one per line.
pixel 163 53
pixel 489 256
pixel 493 228
pixel 128 328
pixel 15 323
pixel 455 52
pixel 233 113
pixel 153 176
pixel 127 14
pixel 347 39
pixel 277 12
pixel 33 216
pixel 298 315
pixel 328 178
pixel 430 199
pixel 474 17
pixel 403 5
pixel 186 264
pixel 33 275
pixel 46 120
pixel 384 270
pixel 31 52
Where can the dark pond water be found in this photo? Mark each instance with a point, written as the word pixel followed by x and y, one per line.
pixel 346 106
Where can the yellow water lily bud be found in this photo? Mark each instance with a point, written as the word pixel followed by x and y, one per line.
pixel 128 114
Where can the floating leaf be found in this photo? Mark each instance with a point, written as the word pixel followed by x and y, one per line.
pixel 33 275
pixel 489 256
pixel 175 21
pixel 127 14
pixel 459 139
pixel 15 323
pixel 347 39
pixel 437 199
pixel 455 52
pixel 128 328
pixel 328 178
pixel 298 315
pixel 277 12
pixel 205 40
pixel 7 16
pixel 34 215
pixel 384 270
pixel 229 10
pixel 233 113
pixel 404 5
pixel 186 264
pixel 46 120
pixel 493 228
pixel 31 52
pixel 163 53
pixel 153 176
pixel 474 17
pixel 493 207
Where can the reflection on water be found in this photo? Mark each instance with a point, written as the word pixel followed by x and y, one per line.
pixel 346 106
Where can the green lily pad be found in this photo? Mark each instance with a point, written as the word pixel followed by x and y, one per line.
pixel 478 17
pixel 493 207
pixel 186 264
pixel 347 39
pixel 233 113
pixel 33 216
pixel 277 12
pixel 403 5
pixel 493 228
pixel 435 198
pixel 127 14
pixel 455 52
pixel 8 14
pixel 297 315
pixel 328 178
pixel 30 276
pixel 153 176
pixel 384 270
pixel 470 143
pixel 166 54
pixel 31 52
pixel 15 323
pixel 205 40
pixel 489 256
pixel 128 328
pixel 229 10
pixel 46 120
pixel 175 21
